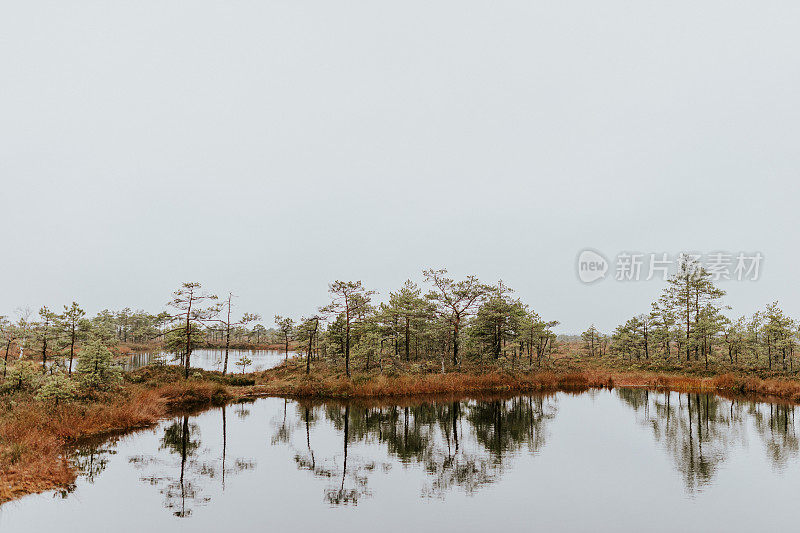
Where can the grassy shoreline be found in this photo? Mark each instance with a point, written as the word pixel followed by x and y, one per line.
pixel 34 436
pixel 329 382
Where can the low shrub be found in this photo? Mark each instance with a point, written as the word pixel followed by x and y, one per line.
pixel 240 381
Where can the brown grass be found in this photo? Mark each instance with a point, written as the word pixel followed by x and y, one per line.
pixel 326 381
pixel 410 385
pixel 33 434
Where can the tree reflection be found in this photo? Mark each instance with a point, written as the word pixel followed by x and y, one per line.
pixel 283 430
pixel 465 444
pixel 775 425
pixel 184 473
pixel 460 444
pixel 699 430
pixel 91 458
pixel 694 429
pixel 358 478
pixel 503 426
pixel 178 440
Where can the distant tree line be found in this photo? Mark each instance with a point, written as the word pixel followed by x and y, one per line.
pixel 57 337
pixel 687 325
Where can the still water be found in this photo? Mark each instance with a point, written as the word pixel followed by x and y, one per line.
pixel 212 359
pixel 621 460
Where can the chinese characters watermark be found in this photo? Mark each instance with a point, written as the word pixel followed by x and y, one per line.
pixel 635 266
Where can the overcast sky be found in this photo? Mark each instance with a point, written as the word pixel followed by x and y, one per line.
pixel 270 147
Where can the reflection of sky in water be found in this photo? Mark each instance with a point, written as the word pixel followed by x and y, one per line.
pixel 213 359
pixel 623 460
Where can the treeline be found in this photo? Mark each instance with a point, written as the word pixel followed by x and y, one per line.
pixel 445 322
pixel 56 337
pixel 452 322
pixel 688 324
pixel 73 350
pixel 448 322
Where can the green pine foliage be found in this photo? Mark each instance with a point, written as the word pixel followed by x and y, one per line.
pixel 96 368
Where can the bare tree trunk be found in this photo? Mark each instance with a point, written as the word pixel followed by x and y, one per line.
pixel 71 347
pixel 408 353
pixel 227 336
pixel 310 347
pixel 188 341
pixel 227 349
pixel 44 351
pixel 455 340
pixel 347 347
pixel 5 360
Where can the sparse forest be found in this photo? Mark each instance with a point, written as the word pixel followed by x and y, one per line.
pixel 444 325
pixel 62 378
pixel 688 326
pixel 454 322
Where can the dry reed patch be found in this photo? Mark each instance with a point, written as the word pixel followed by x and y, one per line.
pixel 33 434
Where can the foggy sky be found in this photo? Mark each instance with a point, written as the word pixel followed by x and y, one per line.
pixel 270 147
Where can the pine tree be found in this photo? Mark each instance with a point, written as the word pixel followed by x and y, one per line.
pixel 591 341
pixel 456 300
pixel 778 335
pixel 350 303
pixel 96 368
pixel 195 308
pixel 244 362
pixel 286 330
pixel 691 293
pixel 70 325
pixel 56 388
pixel 45 333
pixel 408 305
pixel 308 331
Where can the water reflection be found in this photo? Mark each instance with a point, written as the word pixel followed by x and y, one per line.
pixel 431 435
pixel 188 467
pixel 699 431
pixel 775 425
pixel 91 457
pixel 443 446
